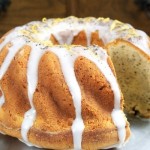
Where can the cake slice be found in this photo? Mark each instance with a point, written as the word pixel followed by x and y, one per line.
pixel 132 67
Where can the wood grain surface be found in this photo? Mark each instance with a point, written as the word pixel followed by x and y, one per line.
pixel 23 11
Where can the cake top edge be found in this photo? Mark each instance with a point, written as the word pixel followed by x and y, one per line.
pixel 65 29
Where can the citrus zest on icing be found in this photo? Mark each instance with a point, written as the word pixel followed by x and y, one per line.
pixel 116 24
pixel 44 19
pixel 106 20
pixel 34 28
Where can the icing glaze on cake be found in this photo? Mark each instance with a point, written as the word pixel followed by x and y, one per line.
pixel 66 59
pixel 37 35
pixel 67 63
pixel 108 30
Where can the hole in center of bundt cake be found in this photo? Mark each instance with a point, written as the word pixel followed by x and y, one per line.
pixel 81 38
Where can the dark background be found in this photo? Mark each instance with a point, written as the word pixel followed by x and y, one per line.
pixel 22 11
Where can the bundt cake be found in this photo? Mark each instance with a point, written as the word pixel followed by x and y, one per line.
pixel 57 83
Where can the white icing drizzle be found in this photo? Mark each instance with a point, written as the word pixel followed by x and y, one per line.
pixel 9 37
pixel 16 45
pixel 2 133
pixel 2 99
pixel 88 31
pixel 67 65
pixel 32 80
pixel 64 37
pixel 67 32
pixel 143 44
pixel 117 114
pixel 120 123
pixel 88 36
pixel 78 125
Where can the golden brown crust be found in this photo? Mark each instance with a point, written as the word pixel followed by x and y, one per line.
pixel 96 40
pixel 92 140
pixel 16 103
pixel 80 39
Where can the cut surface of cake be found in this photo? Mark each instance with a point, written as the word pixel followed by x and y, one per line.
pixel 132 67
pixel 60 96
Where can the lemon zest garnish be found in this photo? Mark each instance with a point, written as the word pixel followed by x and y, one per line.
pixel 25 32
pixel 44 19
pixel 106 20
pixel 132 32
pixel 67 46
pixel 125 27
pixel 88 19
pixel 46 43
pixel 100 19
pixel 116 24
